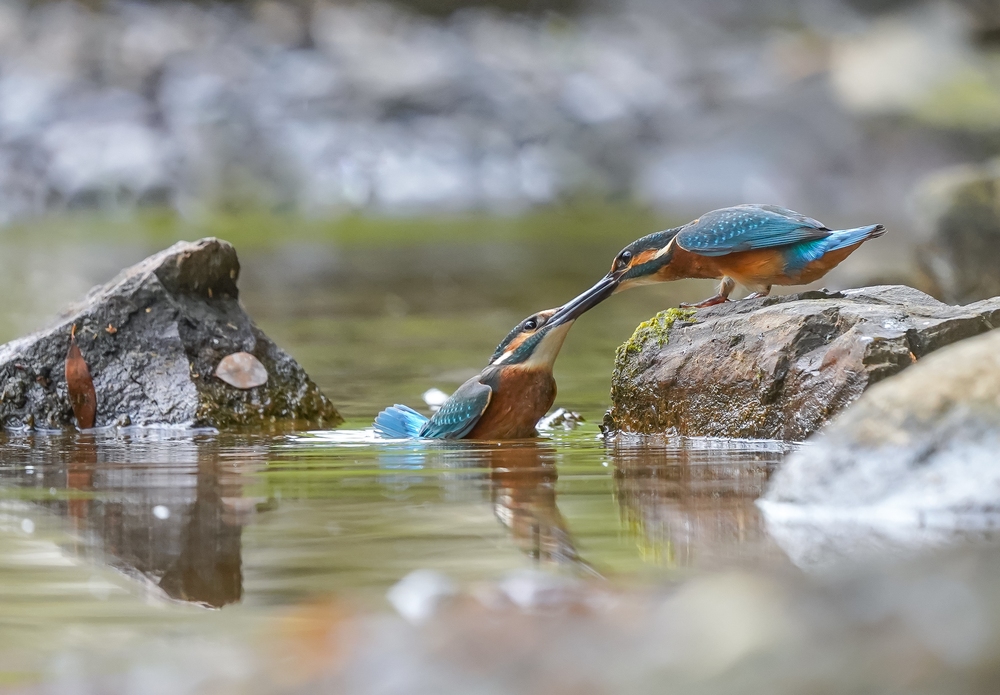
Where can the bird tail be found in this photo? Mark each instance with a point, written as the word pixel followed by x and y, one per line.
pixel 399 422
pixel 848 237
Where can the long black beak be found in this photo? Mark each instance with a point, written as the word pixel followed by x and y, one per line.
pixel 574 308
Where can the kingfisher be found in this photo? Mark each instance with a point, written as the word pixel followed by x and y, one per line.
pixel 757 246
pixel 509 396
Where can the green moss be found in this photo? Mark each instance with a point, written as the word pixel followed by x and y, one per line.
pixel 656 328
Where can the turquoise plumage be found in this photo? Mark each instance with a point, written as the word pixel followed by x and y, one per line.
pixel 748 227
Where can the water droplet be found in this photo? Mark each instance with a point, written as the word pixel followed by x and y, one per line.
pixel 27 525
pixel 161 512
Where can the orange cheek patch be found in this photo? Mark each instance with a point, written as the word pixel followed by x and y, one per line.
pixel 642 257
pixel 516 343
pixel 645 257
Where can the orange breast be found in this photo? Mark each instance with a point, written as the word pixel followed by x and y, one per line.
pixel 521 398
pixel 757 267
pixel 685 264
pixel 762 267
pixel 751 268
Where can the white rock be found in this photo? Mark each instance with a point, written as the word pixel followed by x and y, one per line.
pixel 434 398
pixel 417 595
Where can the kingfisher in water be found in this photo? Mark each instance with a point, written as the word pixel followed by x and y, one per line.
pixel 757 246
pixel 509 396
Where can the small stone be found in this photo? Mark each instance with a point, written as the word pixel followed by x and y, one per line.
pixel 242 370
pixel 534 589
pixel 560 419
pixel 434 398
pixel 417 595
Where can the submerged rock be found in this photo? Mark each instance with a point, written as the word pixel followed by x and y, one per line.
pixel 778 367
pixel 153 339
pixel 918 450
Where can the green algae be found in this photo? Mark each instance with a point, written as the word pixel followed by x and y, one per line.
pixel 626 370
pixel 656 328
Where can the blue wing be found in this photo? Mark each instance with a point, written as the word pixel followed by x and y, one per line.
pixel 399 422
pixel 748 227
pixel 460 413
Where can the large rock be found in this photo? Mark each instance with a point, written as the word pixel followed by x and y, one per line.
pixel 918 450
pixel 961 208
pixel 779 367
pixel 152 339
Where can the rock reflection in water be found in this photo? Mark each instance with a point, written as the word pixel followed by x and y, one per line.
pixel 155 509
pixel 690 502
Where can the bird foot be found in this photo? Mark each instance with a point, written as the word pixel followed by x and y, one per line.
pixel 756 295
pixel 711 301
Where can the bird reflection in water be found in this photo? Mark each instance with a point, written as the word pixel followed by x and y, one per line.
pixel 523 493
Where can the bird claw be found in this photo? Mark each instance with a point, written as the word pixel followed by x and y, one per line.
pixel 711 301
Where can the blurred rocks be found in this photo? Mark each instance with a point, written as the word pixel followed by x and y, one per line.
pixel 960 207
pixel 327 107
pixel 918 449
pixel 152 339
pixel 417 595
pixel 779 367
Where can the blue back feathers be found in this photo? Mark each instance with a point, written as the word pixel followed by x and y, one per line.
pixel 399 422
pixel 747 227
pixel 751 227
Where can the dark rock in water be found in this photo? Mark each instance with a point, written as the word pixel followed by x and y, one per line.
pixel 778 367
pixel 152 339
pixel 920 448
pixel 962 258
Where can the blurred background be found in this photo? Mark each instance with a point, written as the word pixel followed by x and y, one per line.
pixel 322 108
pixel 404 181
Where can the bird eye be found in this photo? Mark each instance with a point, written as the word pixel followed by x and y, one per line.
pixel 623 258
pixel 530 325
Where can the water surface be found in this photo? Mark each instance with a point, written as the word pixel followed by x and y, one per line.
pixel 111 539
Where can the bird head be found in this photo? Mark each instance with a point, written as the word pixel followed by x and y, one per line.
pixel 636 264
pixel 641 261
pixel 535 342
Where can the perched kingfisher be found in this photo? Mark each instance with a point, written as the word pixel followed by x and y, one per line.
pixel 756 246
pixel 508 398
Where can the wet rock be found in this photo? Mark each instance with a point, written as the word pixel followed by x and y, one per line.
pixel 152 339
pixel 918 449
pixel 961 206
pixel 779 367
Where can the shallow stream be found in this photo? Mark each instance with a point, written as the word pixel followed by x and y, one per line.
pixel 114 545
